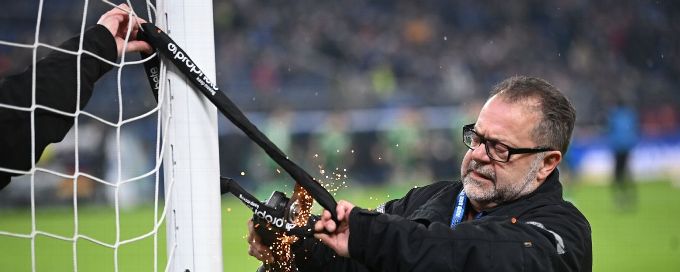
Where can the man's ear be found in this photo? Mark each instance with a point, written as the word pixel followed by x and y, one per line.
pixel 551 160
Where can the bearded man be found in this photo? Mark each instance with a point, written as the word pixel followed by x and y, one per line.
pixel 506 214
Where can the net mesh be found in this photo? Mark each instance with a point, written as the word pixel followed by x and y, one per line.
pixel 65 181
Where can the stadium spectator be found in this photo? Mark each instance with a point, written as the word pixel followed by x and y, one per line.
pixel 622 134
pixel 405 146
pixel 334 142
pixel 56 87
pixel 506 214
pixel 278 127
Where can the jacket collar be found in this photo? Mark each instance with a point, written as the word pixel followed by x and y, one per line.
pixel 434 210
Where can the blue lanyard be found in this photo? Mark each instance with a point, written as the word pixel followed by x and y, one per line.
pixel 459 211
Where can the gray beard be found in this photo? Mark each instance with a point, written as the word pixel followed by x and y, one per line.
pixel 497 194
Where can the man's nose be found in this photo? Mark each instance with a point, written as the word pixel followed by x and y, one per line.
pixel 480 153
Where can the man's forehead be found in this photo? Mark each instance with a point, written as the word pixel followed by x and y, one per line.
pixel 508 122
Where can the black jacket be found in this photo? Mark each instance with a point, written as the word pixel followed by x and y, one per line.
pixel 538 232
pixel 56 88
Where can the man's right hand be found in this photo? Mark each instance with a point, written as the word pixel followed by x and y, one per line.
pixel 335 236
pixel 257 249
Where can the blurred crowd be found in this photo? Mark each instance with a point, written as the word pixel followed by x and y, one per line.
pixel 353 55
pixel 381 89
pixel 364 54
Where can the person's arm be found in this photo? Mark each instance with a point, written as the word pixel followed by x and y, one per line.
pixel 56 87
pixel 384 242
pixel 310 254
pixel 313 255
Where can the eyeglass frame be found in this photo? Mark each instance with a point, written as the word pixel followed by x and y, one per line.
pixel 511 150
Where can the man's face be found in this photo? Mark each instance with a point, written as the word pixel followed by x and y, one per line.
pixel 492 182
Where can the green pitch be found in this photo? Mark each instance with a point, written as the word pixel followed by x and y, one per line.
pixel 647 239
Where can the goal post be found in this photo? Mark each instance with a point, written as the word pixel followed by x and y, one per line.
pixel 191 160
pixel 76 210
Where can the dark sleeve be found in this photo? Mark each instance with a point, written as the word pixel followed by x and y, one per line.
pixel 384 242
pixel 56 88
pixel 312 255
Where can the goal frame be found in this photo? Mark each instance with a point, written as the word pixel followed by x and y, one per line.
pixel 191 160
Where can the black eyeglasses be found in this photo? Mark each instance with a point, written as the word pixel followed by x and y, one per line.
pixel 496 151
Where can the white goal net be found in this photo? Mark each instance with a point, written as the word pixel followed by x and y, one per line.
pixel 133 186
